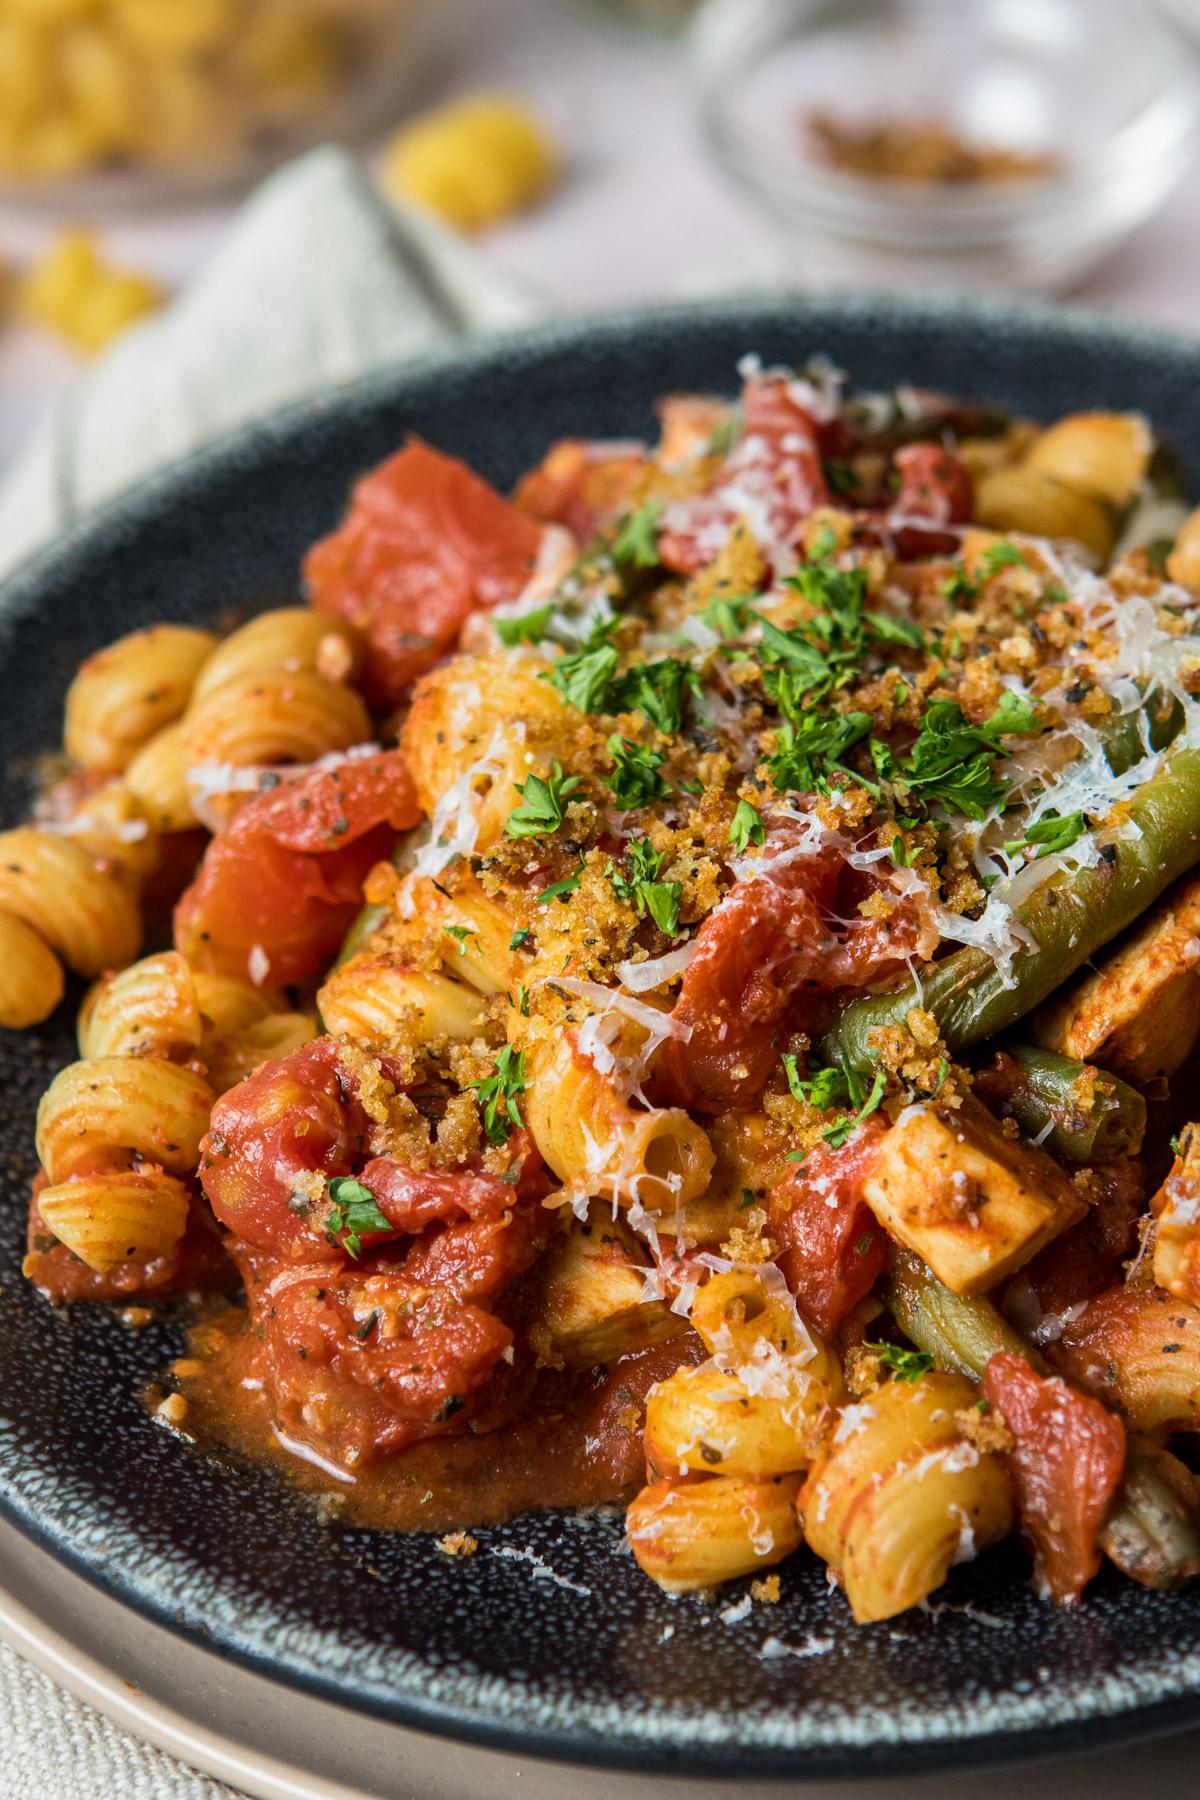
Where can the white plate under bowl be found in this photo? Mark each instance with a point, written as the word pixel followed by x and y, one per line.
pixel 275 1743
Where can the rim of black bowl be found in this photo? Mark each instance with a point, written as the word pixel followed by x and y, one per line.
pixel 1131 1714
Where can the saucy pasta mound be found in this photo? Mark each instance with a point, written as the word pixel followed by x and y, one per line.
pixel 669 976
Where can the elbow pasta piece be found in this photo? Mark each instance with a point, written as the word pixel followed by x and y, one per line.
pixel 157 778
pixel 276 716
pixel 1022 499
pixel 708 1421
pixel 228 1003
pixel 85 913
pixel 149 1009
pixel 751 1153
pixel 31 977
pixel 598 1144
pixel 110 826
pixel 472 162
pixel 96 1116
pixel 229 1057
pixel 738 1316
pixel 1138 1350
pixel 1138 1013
pixel 75 291
pixel 489 714
pixel 590 1305
pixel 377 1001
pixel 977 1205
pixel 470 932
pixel 899 1495
pixel 117 1216
pixel 1103 455
pixel 290 638
pixel 125 694
pixel 699 1534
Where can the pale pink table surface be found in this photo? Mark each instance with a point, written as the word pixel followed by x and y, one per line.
pixel 642 216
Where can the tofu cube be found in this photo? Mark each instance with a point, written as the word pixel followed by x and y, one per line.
pixel 975 1204
pixel 1138 1014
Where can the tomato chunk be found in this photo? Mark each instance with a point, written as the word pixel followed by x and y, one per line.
pixel 284 878
pixel 579 485
pixel 1067 1460
pixel 935 485
pixel 773 477
pixel 362 1364
pixel 773 938
pixel 832 1250
pixel 424 545
pixel 269 1136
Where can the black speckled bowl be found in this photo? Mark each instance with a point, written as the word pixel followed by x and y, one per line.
pixel 548 1640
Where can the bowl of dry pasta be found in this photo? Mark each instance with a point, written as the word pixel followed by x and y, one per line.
pixel 600 946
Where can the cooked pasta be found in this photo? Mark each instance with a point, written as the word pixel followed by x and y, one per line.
pixel 127 693
pixel 78 911
pixel 900 1494
pixel 707 1064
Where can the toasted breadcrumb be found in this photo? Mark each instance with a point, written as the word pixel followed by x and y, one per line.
pixel 984 1428
pixel 458 1543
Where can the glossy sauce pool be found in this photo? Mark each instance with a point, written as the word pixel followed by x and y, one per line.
pixel 576 1443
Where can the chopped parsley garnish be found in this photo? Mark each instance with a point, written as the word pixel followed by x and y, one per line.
pixel 837 1085
pixel 638 883
pixel 354 1210
pixel 522 1000
pixel 560 889
pixel 542 811
pixel 1049 835
pixel 584 677
pixel 810 745
pixel 812 659
pixel 636 544
pixel 952 760
pixel 588 679
pixel 746 827
pixel 635 780
pixel 460 934
pixel 960 584
pixel 906 1365
pixel 520 937
pixel 497 1095
pixel 659 689
pixel 842 476
pixel 1004 555
pixel 525 628
pixel 728 615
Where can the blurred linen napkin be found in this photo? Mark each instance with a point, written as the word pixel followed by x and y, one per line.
pixel 318 282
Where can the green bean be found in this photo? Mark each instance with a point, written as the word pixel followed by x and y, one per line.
pixel 1151 1534
pixel 368 920
pixel 960 1333
pixel 1077 1112
pixel 1069 917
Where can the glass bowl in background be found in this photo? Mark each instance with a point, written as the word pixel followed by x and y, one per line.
pixel 117 103
pixel 1102 94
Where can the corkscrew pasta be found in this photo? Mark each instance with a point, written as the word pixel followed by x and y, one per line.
pixel 681 990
